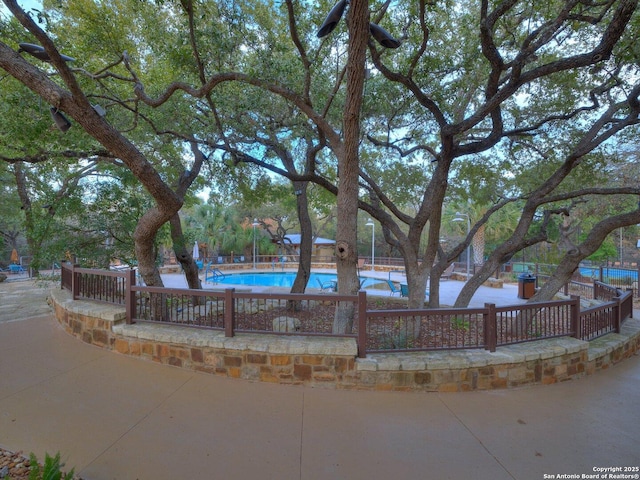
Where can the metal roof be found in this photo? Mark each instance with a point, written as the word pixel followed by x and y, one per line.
pixel 294 239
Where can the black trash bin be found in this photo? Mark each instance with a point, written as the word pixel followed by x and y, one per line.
pixel 526 285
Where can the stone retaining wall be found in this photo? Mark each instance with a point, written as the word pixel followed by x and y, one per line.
pixel 333 362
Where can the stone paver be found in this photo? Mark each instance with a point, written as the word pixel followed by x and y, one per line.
pixel 23 298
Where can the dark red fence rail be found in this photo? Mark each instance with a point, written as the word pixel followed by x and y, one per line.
pixel 233 311
pixel 533 321
pixel 375 330
pixel 99 285
pixel 425 329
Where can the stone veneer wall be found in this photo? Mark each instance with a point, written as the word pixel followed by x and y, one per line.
pixel 333 362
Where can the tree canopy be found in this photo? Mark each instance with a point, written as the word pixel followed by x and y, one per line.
pixel 502 107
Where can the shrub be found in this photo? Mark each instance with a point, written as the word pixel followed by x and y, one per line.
pixel 459 323
pixel 50 470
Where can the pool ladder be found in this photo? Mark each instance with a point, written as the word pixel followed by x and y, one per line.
pixel 213 275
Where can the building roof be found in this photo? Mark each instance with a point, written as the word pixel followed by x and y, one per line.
pixel 294 239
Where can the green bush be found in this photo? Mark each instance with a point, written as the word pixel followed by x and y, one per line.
pixel 50 470
pixel 398 341
pixel 459 323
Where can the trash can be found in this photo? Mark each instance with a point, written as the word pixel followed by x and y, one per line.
pixel 526 285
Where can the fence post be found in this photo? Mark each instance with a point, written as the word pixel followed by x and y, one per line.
pixel 601 273
pixel 618 314
pixel 490 327
pixel 130 295
pixel 75 284
pixel 576 324
pixel 229 311
pixel 362 324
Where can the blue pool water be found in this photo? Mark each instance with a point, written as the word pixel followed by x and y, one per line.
pixel 284 279
pixel 607 272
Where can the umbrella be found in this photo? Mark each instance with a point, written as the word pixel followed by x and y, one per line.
pixel 14 256
pixel 196 251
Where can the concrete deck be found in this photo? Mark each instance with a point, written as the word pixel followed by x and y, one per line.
pixel 449 289
pixel 116 417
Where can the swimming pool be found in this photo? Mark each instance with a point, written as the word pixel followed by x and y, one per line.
pixel 608 273
pixel 284 279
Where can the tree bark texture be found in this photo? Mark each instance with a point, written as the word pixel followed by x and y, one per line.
pixel 349 166
pixel 183 255
pixel 306 238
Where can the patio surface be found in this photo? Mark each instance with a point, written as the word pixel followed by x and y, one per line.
pixel 449 289
pixel 117 417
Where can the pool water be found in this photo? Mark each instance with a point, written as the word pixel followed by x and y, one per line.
pixel 284 279
pixel 617 273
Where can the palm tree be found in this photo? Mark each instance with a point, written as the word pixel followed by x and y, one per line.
pixel 217 226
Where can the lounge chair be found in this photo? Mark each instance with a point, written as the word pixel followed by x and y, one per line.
pixel 393 287
pixel 329 285
pixel 446 275
pixel 404 290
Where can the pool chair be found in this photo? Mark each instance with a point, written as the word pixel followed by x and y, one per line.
pixel 404 290
pixel 393 287
pixel 446 275
pixel 13 268
pixel 329 286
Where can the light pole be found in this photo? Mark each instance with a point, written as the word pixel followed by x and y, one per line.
pixel 373 245
pixel 254 225
pixel 460 219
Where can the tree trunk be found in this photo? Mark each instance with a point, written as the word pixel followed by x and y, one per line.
pixel 417 277
pixel 572 260
pixel 475 281
pixel 417 283
pixel 144 237
pixel 349 166
pixel 306 238
pixel 183 255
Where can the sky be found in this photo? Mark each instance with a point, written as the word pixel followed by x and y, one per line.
pixel 25 4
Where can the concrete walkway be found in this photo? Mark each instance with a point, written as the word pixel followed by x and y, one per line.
pixel 116 417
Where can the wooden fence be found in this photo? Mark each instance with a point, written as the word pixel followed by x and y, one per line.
pixel 375 330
